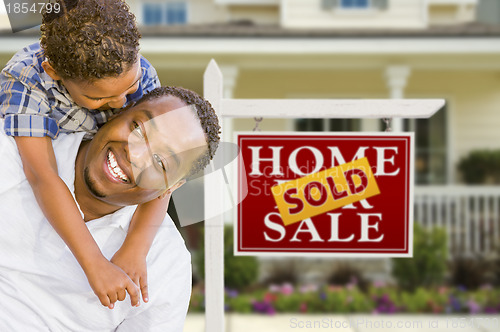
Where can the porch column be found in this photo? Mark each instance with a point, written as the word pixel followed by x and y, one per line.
pixel 397 78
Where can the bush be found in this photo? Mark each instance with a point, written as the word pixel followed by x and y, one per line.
pixel 470 273
pixel 495 267
pixel 428 265
pixel 480 167
pixel 239 271
pixel 346 274
pixel 284 272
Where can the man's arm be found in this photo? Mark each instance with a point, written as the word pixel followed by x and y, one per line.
pixel 108 281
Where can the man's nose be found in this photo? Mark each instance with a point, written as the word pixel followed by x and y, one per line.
pixel 139 154
pixel 118 102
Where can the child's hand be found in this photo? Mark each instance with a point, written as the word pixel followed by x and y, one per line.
pixel 134 265
pixel 111 284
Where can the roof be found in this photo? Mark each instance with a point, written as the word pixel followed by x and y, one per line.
pixel 247 29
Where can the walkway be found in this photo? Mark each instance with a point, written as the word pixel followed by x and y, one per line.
pixel 350 323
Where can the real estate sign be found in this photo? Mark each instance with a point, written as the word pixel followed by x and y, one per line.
pixel 345 194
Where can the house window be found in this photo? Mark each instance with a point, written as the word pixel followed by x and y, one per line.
pixel 327 125
pixel 430 146
pixel 164 13
pixel 152 13
pixel 354 4
pixel 176 13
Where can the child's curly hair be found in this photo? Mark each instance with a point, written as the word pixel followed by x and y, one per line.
pixel 90 39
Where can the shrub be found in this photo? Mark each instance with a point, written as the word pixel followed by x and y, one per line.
pixel 495 267
pixel 344 300
pixel 239 303
pixel 197 303
pixel 284 272
pixel 470 273
pixel 481 166
pixel 346 274
pixel 239 271
pixel 428 265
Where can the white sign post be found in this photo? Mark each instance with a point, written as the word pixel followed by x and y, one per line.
pixel 275 108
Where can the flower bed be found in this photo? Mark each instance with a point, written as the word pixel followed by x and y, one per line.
pixel 379 298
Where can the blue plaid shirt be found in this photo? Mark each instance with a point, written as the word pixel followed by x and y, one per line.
pixel 33 104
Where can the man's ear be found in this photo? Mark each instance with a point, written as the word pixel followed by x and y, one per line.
pixel 50 70
pixel 170 190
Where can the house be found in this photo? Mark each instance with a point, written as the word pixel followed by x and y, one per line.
pixel 350 49
pixel 356 49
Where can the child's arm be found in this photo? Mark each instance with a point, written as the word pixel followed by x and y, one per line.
pixel 108 281
pixel 131 257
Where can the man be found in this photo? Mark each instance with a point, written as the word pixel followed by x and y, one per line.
pixel 42 287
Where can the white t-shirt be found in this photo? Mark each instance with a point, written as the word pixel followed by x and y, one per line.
pixel 42 286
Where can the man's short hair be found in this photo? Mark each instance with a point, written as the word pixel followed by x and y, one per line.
pixel 90 39
pixel 206 114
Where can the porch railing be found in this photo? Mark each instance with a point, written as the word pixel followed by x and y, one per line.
pixel 469 214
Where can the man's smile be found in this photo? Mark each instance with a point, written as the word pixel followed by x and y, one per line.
pixel 114 170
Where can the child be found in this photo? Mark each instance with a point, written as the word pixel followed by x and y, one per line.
pixel 84 69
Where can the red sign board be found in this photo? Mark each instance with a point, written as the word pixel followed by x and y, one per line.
pixel 346 194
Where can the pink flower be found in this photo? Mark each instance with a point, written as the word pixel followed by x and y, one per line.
pixel 274 288
pixel 308 288
pixel 303 307
pixel 474 308
pixel 443 290
pixel 486 287
pixel 333 288
pixel 287 289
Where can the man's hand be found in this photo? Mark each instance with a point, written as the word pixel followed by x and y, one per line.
pixel 111 284
pixel 134 264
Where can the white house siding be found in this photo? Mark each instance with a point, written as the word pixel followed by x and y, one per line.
pixel 400 14
pixel 203 11
pixel 451 14
pixel 478 118
pixel 4 22
pixel 136 8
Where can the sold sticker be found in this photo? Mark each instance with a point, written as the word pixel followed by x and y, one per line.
pixel 320 192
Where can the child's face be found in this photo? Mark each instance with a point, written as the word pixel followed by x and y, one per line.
pixel 105 93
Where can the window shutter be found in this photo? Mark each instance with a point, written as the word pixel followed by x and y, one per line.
pixel 329 4
pixel 380 4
